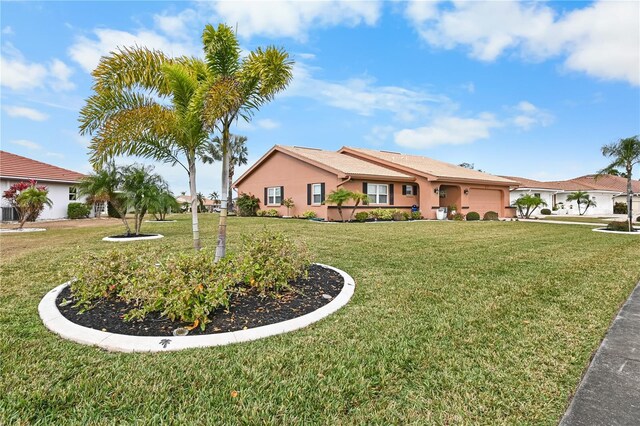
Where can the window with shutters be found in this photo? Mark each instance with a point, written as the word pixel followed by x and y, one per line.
pixel 408 190
pixel 274 196
pixel 378 193
pixel 316 193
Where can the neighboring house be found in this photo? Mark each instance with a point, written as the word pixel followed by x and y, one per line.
pixel 60 183
pixel 392 180
pixel 185 201
pixel 604 190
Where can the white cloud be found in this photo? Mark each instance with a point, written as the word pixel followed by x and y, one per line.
pixel 378 135
pixel 293 18
pixel 19 74
pixel 448 131
pixel 528 116
pixel 7 30
pixel 177 26
pixel 24 112
pixel 268 124
pixel 27 144
pixel 363 96
pixel 602 39
pixel 88 51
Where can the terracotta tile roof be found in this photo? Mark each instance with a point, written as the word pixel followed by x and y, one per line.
pixel 16 166
pixel 421 164
pixel 344 163
pixel 582 183
pixel 187 199
pixel 608 183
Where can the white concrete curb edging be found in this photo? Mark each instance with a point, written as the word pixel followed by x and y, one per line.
pixel 160 221
pixel 126 240
pixel 56 322
pixel 21 231
pixel 606 231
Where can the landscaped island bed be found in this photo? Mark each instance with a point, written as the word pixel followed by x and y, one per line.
pixel 489 322
pixel 247 309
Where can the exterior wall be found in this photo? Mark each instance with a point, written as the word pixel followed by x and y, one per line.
pixel 635 203
pixel 58 193
pixel 604 203
pixel 546 195
pixel 292 174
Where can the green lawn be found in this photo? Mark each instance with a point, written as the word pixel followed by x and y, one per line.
pixel 603 220
pixel 455 322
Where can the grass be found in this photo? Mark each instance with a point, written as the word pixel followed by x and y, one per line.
pixel 486 322
pixel 590 219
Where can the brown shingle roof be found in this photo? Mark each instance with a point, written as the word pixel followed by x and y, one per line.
pixel 426 165
pixel 582 183
pixel 16 166
pixel 344 163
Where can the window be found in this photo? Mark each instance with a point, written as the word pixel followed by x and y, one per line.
pixel 537 195
pixel 408 190
pixel 274 196
pixel 378 194
pixel 316 192
pixel 73 193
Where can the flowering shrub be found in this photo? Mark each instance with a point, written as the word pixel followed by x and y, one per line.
pixel 271 213
pixel 28 198
pixel 309 214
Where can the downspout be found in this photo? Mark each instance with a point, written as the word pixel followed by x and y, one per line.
pixel 344 181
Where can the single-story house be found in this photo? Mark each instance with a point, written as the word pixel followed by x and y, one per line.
pixel 390 179
pixel 604 190
pixel 60 183
pixel 209 205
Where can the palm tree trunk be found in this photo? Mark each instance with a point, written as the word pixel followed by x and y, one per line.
pixel 629 198
pixel 353 211
pixel 221 247
pixel 194 204
pixel 231 172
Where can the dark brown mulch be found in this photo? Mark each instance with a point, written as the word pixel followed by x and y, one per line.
pixel 247 309
pixel 133 235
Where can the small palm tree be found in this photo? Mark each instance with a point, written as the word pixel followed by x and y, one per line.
pixel 358 197
pixel 140 187
pixel 102 186
pixel 527 204
pixel 163 204
pixel 200 198
pixel 238 156
pixel 625 154
pixel 583 200
pixel 215 197
pixel 239 87
pixel 31 202
pixel 339 197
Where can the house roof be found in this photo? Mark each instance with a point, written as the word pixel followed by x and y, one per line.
pixel 341 165
pixel 187 199
pixel 19 167
pixel 583 183
pixel 426 166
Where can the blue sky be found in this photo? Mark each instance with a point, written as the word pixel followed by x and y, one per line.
pixel 529 89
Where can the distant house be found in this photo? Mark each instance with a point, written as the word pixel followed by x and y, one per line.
pixel 60 183
pixel 604 190
pixel 185 202
pixel 390 179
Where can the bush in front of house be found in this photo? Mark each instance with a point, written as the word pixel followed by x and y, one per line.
pixel 362 216
pixel 458 217
pixel 545 212
pixel 619 226
pixel 271 213
pixel 247 204
pixel 399 216
pixel 260 213
pixel 416 215
pixel 309 214
pixel 383 214
pixel 187 287
pixel 78 211
pixel 473 216
pixel 490 215
pixel 620 208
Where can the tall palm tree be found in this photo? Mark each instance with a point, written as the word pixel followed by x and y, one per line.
pixel 583 199
pixel 238 156
pixel 239 88
pixel 625 154
pixel 147 104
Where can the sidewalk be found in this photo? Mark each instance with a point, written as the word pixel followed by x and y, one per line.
pixel 609 393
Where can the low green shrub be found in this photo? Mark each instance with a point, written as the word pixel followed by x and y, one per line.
pixel 271 213
pixel 545 212
pixel 383 214
pixel 309 214
pixel 473 216
pixel 247 204
pixel 78 211
pixel 269 260
pixel 620 208
pixel 458 217
pixel 399 216
pixel 619 226
pixel 362 216
pixel 490 215
pixel 416 216
pixel 260 213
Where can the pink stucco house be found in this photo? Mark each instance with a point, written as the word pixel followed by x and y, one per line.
pixel 391 179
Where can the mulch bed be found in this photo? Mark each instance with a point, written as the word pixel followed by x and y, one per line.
pixel 248 309
pixel 133 236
